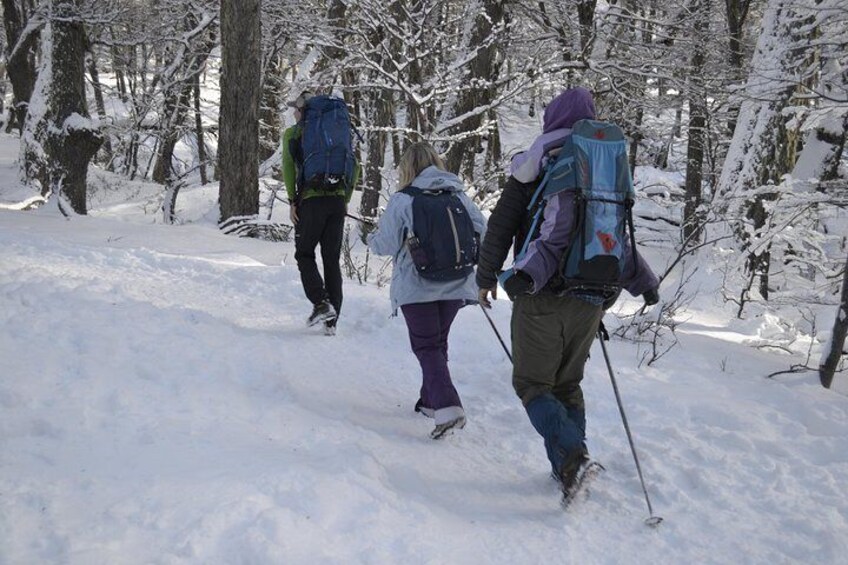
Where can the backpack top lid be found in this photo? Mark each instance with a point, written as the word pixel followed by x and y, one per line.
pixel 601 164
pixel 598 130
pixel 320 102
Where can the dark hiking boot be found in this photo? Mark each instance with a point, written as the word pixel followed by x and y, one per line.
pixel 579 489
pixel 322 311
pixel 555 475
pixel 441 429
pixel 330 326
pixel 569 471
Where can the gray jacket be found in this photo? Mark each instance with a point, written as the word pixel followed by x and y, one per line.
pixel 407 286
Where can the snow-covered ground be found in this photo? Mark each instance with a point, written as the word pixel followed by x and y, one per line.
pixel 162 402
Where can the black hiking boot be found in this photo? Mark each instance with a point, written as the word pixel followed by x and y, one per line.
pixel 330 326
pixel 570 469
pixel 322 312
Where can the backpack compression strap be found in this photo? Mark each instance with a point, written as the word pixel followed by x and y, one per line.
pixel 554 170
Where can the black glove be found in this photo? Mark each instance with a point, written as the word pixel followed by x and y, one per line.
pixel 651 297
pixel 519 283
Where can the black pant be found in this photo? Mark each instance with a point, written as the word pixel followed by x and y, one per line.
pixel 320 221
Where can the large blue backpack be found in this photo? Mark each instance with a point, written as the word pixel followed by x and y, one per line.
pixel 442 243
pixel 326 145
pixel 593 163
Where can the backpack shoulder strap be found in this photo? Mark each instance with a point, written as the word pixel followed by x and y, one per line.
pixel 411 190
pixel 415 191
pixel 560 164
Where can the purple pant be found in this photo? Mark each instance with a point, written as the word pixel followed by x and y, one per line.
pixel 429 324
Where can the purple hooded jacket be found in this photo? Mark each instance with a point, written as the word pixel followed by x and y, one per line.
pixel 569 107
pixel 541 260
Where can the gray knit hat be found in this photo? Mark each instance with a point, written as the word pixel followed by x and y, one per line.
pixel 300 101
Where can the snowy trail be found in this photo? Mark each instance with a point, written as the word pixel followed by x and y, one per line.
pixel 161 402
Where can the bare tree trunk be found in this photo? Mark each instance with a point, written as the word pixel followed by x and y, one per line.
pixel 176 107
pixel 736 14
pixel 697 125
pixel 198 132
pixel 270 125
pixel 837 340
pixel 759 149
pixel 20 58
pixel 483 69
pixel 586 18
pixel 377 141
pixel 494 151
pixel 664 153
pixel 60 140
pixel 694 169
pixel 821 154
pixel 635 138
pixel 380 113
pixel 238 153
pixel 99 104
pixel 118 66
pixel 177 97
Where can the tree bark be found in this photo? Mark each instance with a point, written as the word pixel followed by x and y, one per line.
pixel 175 110
pixel 697 125
pixel 483 71
pixel 238 154
pixel 20 58
pixel 755 155
pixel 821 155
pixel 837 340
pixel 99 105
pixel 59 139
pixel 377 141
pixel 198 132
pixel 736 14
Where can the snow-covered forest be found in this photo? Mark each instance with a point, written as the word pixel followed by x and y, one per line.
pixel 161 401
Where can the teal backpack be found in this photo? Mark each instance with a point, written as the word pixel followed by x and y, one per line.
pixel 593 164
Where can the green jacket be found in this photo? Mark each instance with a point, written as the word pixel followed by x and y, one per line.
pixel 290 143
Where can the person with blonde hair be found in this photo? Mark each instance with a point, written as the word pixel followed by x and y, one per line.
pixel 432 230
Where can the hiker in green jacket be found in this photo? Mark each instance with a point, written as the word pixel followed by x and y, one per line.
pixel 318 198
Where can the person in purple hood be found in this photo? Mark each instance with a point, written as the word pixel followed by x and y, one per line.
pixel 552 331
pixel 563 111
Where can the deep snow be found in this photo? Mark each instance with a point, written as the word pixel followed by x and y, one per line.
pixel 162 402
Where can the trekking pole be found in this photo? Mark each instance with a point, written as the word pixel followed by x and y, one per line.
pixel 361 220
pixel 497 333
pixel 652 520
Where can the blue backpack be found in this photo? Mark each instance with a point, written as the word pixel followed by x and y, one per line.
pixel 593 163
pixel 443 244
pixel 326 145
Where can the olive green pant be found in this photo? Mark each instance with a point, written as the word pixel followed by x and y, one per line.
pixel 551 337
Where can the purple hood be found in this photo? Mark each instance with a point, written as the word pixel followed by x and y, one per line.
pixel 571 106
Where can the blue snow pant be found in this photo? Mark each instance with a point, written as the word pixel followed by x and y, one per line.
pixel 551 337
